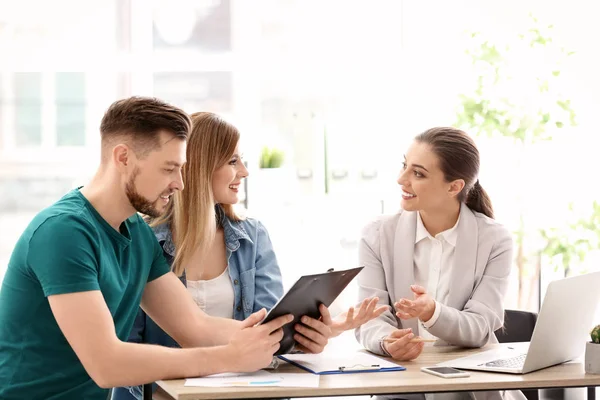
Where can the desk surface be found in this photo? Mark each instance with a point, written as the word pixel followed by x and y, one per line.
pixel 410 381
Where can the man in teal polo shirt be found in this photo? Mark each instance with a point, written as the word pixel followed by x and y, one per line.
pixel 81 268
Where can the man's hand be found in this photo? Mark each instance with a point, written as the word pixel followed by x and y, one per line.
pixel 422 307
pixel 398 345
pixel 352 319
pixel 254 345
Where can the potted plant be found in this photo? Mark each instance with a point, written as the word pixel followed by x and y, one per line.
pixel 273 182
pixel 592 352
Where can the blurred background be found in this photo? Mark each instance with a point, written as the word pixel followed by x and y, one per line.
pixel 328 95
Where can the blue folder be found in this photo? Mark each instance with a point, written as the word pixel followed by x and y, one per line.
pixel 348 369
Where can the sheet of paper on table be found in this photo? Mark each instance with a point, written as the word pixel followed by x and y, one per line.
pixel 259 378
pixel 352 361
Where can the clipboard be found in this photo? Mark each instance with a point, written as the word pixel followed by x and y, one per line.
pixel 324 364
pixel 304 298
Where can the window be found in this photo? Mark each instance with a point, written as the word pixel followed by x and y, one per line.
pixel 201 25
pixel 3 104
pixel 70 108
pixel 42 110
pixel 196 91
pixel 28 108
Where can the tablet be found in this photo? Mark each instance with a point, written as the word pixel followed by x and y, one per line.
pixel 304 298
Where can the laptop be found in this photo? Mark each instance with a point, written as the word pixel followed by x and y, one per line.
pixel 562 328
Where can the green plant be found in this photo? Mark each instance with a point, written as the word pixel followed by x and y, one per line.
pixel 508 103
pixel 595 334
pixel 271 157
pixel 568 246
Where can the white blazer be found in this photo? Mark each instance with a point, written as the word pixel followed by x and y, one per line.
pixel 479 280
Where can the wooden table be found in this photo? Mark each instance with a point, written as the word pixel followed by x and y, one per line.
pixel 410 381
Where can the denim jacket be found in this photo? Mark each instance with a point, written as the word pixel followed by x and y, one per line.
pixel 254 274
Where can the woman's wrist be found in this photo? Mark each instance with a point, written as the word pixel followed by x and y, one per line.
pixel 428 312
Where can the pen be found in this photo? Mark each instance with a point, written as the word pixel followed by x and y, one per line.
pixel 415 340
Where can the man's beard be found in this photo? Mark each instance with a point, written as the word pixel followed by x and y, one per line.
pixel 139 202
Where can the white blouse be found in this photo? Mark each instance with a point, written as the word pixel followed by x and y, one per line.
pixel 433 262
pixel 215 296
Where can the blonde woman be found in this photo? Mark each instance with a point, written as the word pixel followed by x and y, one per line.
pixel 226 262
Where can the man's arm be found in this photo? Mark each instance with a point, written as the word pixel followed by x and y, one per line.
pixel 168 303
pixel 87 324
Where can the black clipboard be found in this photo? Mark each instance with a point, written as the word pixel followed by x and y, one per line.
pixel 304 298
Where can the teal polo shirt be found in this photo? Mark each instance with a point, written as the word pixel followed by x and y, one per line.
pixel 68 248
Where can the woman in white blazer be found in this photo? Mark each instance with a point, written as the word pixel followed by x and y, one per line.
pixel 442 262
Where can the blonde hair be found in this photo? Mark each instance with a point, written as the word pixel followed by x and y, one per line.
pixel 191 213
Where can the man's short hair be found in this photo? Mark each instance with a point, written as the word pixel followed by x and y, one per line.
pixel 139 120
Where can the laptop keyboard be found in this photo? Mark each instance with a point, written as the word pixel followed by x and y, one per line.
pixel 513 362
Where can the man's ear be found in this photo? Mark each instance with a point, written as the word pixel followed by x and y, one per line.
pixel 122 156
pixel 456 187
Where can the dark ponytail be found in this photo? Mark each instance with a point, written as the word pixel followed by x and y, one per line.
pixel 459 159
pixel 479 201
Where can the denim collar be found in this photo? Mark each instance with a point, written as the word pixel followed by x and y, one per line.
pixel 234 231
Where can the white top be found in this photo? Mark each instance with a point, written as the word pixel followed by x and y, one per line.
pixel 215 296
pixel 433 262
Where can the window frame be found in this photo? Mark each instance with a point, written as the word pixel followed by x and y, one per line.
pixel 48 150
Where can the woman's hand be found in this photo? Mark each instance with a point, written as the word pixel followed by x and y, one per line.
pixel 352 319
pixel 422 306
pixel 398 344
pixel 312 335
